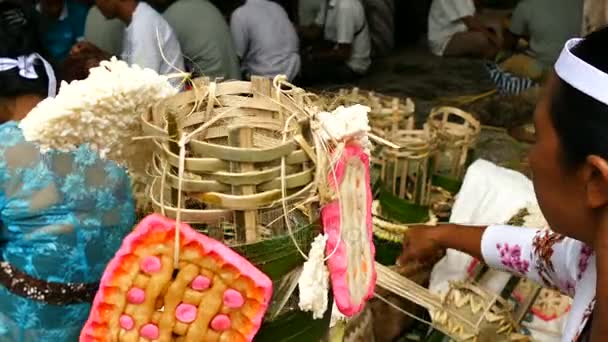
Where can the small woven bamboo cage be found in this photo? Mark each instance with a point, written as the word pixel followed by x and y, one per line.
pixel 457 132
pixel 241 147
pixel 405 171
pixel 388 114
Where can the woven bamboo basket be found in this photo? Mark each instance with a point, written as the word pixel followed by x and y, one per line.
pixel 405 171
pixel 457 132
pixel 233 175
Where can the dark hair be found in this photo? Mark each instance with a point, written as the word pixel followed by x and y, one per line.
pixel 581 121
pixel 77 67
pixel 19 37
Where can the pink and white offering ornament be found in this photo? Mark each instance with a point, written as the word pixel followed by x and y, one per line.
pixel 214 295
pixel 347 217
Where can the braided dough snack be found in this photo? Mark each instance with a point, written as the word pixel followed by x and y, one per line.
pixel 214 295
pixel 348 222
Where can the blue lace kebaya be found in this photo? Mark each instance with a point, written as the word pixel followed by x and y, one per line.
pixel 63 215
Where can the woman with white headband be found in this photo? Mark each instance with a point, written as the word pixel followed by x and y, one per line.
pixel 62 214
pixel 570 167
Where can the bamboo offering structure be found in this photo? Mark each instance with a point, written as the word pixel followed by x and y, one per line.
pixel 230 155
pixel 457 132
pixel 464 313
pixel 405 170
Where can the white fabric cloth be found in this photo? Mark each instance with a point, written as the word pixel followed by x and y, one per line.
pixel 150 42
pixel 344 22
pixel 265 40
pixel 27 69
pixel 581 75
pixel 489 194
pixel 445 20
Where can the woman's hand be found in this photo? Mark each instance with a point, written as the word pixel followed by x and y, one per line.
pixel 420 245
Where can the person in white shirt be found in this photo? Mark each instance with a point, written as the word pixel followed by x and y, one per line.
pixel 148 41
pixel 455 30
pixel 266 41
pixel 346 54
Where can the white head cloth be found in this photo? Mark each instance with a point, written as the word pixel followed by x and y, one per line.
pixel 27 69
pixel 580 74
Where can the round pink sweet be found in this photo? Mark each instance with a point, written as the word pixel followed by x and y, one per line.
pixel 233 299
pixel 221 323
pixel 149 331
pixel 126 322
pixel 186 313
pixel 136 295
pixel 200 283
pixel 150 264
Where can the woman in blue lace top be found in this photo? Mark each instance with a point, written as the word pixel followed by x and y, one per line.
pixel 62 214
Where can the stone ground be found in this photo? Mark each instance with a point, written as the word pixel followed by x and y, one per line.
pixel 430 81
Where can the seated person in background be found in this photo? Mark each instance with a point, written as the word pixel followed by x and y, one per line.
pixel 455 31
pixel 546 25
pixel 308 11
pixel 266 41
pixel 148 40
pixel 204 36
pixel 62 26
pixel 106 34
pixel 345 54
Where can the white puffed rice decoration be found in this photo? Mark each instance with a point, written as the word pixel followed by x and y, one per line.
pixel 102 111
pixel 314 280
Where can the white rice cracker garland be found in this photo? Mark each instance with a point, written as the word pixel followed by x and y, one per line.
pixel 313 284
pixel 346 123
pixel 102 111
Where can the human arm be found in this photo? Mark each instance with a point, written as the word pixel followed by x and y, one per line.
pixel 422 242
pixel 474 24
pixel 540 255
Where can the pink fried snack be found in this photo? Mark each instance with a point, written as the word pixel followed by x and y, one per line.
pixel 214 295
pixel 352 270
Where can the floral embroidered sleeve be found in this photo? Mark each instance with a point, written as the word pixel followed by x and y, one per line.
pixel 548 258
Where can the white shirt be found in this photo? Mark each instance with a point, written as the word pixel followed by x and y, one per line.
pixel 445 20
pixel 265 40
pixel 144 39
pixel 345 23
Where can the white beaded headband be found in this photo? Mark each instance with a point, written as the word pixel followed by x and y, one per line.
pixel 580 74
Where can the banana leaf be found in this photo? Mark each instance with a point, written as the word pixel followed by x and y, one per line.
pixel 399 210
pixel 278 256
pixel 295 326
pixel 450 184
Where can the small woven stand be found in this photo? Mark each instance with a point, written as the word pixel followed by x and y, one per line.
pixel 405 170
pixel 457 132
